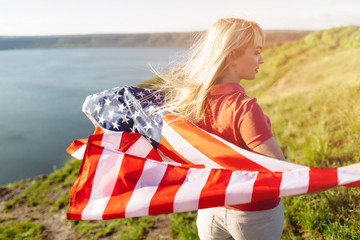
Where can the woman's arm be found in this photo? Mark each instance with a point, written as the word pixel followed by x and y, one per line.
pixel 270 148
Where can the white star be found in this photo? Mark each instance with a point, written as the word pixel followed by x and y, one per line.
pixel 121 107
pixel 141 94
pixel 111 113
pixel 134 128
pixel 156 123
pixel 101 119
pixel 116 96
pixel 136 114
pixel 148 126
pixel 151 109
pixel 158 96
pixel 93 97
pixel 97 107
pixel 125 119
pixel 115 125
pixel 149 90
pixel 149 102
pixel 107 102
pixel 104 92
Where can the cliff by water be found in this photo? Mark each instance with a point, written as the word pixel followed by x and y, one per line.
pixel 308 87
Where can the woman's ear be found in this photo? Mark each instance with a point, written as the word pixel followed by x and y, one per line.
pixel 229 59
pixel 231 55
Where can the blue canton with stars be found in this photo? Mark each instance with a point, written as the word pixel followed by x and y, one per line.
pixel 128 109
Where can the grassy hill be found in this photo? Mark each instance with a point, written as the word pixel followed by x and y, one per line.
pixel 182 39
pixel 310 90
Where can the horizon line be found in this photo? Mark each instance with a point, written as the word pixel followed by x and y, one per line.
pixel 140 33
pixel 163 32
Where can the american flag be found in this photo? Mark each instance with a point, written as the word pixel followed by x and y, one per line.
pixel 127 109
pixel 141 162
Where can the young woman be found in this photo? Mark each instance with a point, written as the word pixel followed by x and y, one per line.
pixel 206 90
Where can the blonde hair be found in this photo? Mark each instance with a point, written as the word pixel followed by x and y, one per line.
pixel 188 85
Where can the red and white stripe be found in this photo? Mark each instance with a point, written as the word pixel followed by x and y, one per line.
pixel 184 140
pixel 122 175
pixel 115 183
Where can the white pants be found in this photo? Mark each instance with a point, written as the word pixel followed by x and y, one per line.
pixel 224 223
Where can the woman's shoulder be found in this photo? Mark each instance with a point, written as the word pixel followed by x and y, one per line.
pixel 241 99
pixel 226 89
pixel 243 104
pixel 234 95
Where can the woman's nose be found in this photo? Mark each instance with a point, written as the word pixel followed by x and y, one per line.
pixel 261 60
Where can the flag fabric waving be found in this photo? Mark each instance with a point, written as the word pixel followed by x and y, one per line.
pixel 141 161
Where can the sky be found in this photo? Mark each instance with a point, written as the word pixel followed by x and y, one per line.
pixel 65 17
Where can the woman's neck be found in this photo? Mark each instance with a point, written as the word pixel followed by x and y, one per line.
pixel 228 76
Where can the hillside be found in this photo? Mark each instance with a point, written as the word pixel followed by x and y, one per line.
pixel 310 90
pixel 127 40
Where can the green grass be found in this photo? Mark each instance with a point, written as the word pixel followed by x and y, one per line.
pixel 311 93
pixel 39 194
pixel 183 226
pixel 21 230
pixel 327 215
pixel 132 228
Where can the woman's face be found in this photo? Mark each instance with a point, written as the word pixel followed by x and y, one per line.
pixel 246 64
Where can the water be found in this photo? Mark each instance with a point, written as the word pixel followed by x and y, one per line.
pixel 41 94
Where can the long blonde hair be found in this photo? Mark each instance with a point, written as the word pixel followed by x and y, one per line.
pixel 188 85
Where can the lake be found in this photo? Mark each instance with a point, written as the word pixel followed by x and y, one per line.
pixel 42 91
